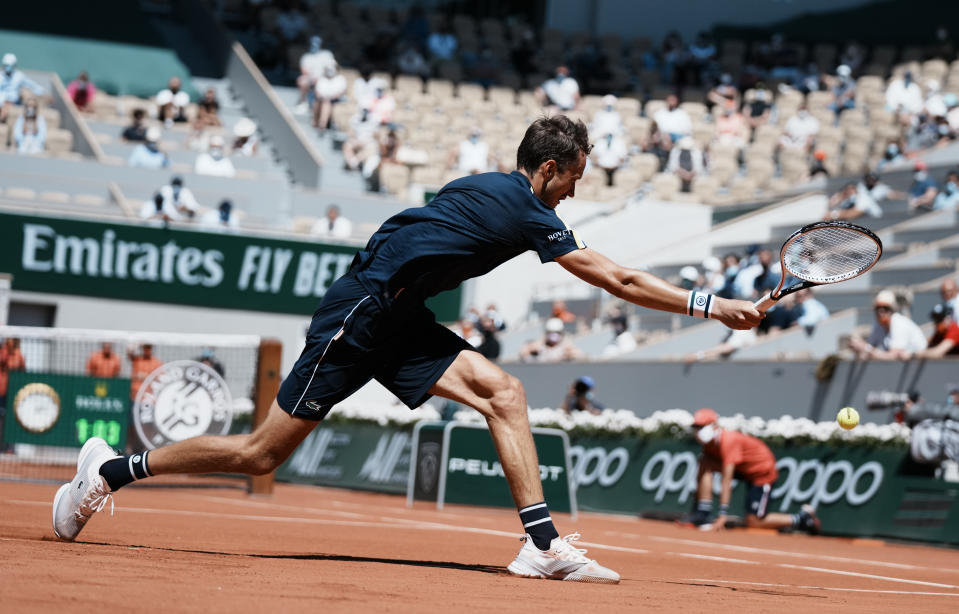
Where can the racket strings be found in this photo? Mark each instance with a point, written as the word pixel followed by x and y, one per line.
pixel 829 254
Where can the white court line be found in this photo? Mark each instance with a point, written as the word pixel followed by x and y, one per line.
pixel 841 572
pixel 800 555
pixel 707 557
pixel 825 588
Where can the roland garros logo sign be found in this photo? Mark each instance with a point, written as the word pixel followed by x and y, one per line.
pixel 180 400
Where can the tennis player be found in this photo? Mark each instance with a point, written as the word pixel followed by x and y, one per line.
pixel 372 324
pixel 735 454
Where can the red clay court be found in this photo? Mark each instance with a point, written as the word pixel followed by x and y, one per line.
pixel 308 549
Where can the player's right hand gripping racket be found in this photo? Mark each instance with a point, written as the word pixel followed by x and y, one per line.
pixel 823 253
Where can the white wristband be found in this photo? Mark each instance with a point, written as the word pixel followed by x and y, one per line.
pixel 699 304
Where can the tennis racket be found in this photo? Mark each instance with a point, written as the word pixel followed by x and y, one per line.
pixel 823 253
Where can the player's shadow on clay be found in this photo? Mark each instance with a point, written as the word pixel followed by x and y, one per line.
pixel 492 569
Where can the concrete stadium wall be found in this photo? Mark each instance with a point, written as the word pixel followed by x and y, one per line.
pixel 755 388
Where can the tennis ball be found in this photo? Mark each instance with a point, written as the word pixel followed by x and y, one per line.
pixel 848 418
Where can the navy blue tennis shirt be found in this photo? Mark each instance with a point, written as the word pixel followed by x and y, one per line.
pixel 472 226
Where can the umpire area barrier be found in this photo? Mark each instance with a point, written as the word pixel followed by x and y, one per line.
pixel 136 390
pixel 456 462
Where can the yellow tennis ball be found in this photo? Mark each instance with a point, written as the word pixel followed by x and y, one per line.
pixel 848 418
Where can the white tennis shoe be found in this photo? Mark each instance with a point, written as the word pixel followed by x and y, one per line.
pixel 87 493
pixel 562 561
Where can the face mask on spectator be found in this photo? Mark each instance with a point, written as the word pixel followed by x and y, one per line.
pixel 553 338
pixel 892 151
pixel 706 434
pixel 216 153
pixel 951 187
pixel 8 68
pixel 920 175
pixel 30 112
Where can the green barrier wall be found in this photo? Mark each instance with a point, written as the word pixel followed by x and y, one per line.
pixel 116 68
pixel 65 410
pixel 69 256
pixel 858 491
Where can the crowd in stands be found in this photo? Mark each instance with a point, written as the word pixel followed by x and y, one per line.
pixel 175 202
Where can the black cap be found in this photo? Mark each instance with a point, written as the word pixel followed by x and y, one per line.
pixel 939 312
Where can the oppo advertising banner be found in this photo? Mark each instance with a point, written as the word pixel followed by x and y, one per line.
pixel 858 491
pixel 158 265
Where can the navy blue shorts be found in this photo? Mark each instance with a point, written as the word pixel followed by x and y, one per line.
pixel 353 340
pixel 757 499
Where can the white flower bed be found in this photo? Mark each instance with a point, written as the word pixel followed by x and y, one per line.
pixel 671 423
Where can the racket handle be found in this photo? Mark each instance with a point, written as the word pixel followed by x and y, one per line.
pixel 765 303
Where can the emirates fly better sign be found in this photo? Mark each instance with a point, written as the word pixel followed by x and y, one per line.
pixel 146 263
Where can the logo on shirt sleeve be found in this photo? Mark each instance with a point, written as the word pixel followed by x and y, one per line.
pixel 559 235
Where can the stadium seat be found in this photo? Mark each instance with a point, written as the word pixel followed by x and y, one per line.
pixel 665 186
pixel 395 178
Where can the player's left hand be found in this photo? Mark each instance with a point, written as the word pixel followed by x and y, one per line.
pixel 719 524
pixel 736 314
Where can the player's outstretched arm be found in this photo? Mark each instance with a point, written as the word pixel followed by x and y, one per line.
pixel 647 290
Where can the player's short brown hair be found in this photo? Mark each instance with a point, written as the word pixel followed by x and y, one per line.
pixel 552 138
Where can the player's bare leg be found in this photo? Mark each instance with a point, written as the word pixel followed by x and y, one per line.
pixel 475 381
pixel 500 397
pixel 257 453
pixel 100 471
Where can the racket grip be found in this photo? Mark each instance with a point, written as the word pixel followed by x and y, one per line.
pixel 765 303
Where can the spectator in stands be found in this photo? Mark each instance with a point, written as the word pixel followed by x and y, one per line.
pixel 560 92
pixel 361 143
pixel 180 198
pixel 607 120
pixel 30 130
pixel 725 94
pixel 290 27
pixel 12 81
pixel 810 310
pixel 148 153
pixel 82 92
pixel 713 277
pixel 702 57
pixel 817 169
pixel 850 203
pixel 952 112
pixel 313 65
pixel 935 102
pixel 758 276
pixel 411 62
pixel 330 89
pixel 442 44
pixel 810 80
pixel 923 191
pixel 207 111
pixel 784 314
pixel 157 211
pixel 137 131
pixel 416 28
pixel 472 155
pixel 893 337
pixel 245 142
pixel 686 161
pixel 142 364
pixel 208 358
pixel 222 218
pixel 673 120
pixel 172 103
pixel 904 97
pixel 843 90
pixel 466 329
pixel 689 278
pixel 948 197
pixel 894 153
pixel 382 104
pixel 363 87
pixel 580 397
pixel 623 340
pixel 730 267
pixel 214 161
pixel 945 338
pixel 949 292
pixel 760 107
pixel 609 153
pixel 559 310
pixel 553 347
pixel 11 359
pixel 104 363
pixel 800 130
pixel 732 128
pixel 333 225
pixel 490 346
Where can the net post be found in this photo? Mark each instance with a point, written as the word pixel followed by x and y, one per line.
pixel 267 384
